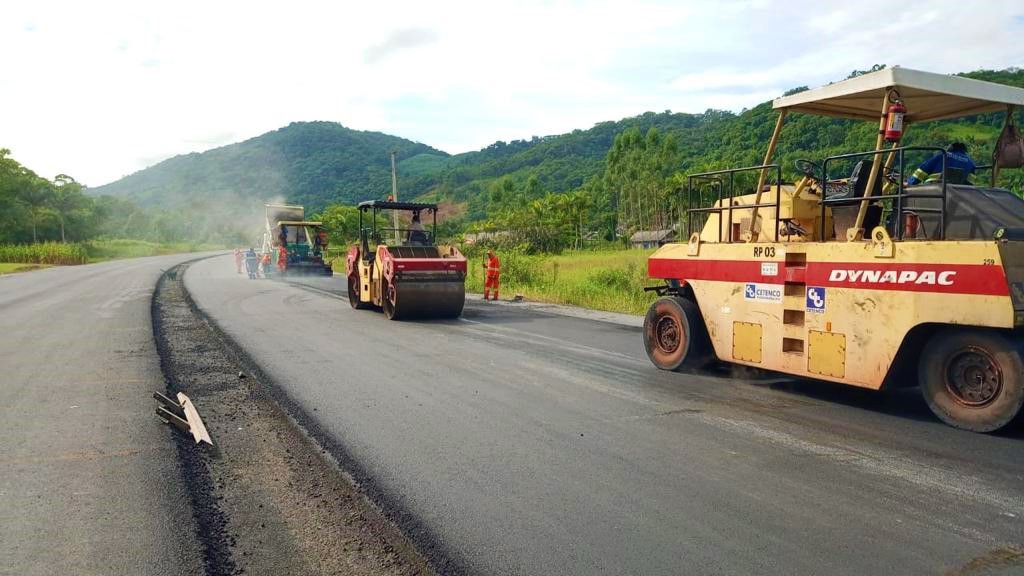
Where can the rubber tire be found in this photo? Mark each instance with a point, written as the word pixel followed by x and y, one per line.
pixel 999 413
pixel 694 350
pixel 353 296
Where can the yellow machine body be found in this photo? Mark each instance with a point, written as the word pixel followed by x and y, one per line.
pixel 837 311
pixel 869 278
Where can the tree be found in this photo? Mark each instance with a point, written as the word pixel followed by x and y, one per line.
pixel 36 195
pixel 12 210
pixel 639 167
pixel 341 223
pixel 66 197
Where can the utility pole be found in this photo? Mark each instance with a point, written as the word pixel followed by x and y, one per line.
pixel 394 194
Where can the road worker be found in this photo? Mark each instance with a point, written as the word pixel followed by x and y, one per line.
pixel 417 236
pixel 265 263
pixel 251 263
pixel 931 169
pixel 238 260
pixel 493 267
pixel 321 240
pixel 282 259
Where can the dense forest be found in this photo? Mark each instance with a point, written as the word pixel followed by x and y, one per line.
pixel 310 163
pixel 36 209
pixel 542 194
pixel 635 184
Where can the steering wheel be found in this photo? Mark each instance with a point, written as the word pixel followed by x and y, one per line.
pixel 892 175
pixel 809 169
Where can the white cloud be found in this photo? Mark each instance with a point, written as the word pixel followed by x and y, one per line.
pixel 102 89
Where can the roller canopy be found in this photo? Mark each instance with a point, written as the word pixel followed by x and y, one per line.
pixel 928 96
pixel 299 223
pixel 386 205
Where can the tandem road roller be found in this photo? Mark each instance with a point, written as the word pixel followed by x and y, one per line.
pixel 852 274
pixel 400 269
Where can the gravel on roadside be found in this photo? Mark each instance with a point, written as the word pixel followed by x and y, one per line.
pixel 267 498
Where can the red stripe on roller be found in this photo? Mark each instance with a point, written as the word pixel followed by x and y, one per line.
pixel 722 270
pixel 988 280
pixel 420 264
pixel 982 279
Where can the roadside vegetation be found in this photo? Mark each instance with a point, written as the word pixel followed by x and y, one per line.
pixel 10 267
pixel 100 250
pixel 53 253
pixel 604 279
pixel 607 278
pixel 54 222
pixel 71 253
pixel 560 210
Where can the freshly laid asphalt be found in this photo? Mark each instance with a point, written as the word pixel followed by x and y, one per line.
pixel 89 478
pixel 525 442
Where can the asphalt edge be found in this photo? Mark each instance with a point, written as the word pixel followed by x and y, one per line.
pixel 567 310
pixel 438 556
pixel 209 522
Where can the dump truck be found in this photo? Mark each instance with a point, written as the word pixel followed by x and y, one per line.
pixel 305 241
pixel 850 274
pixel 399 268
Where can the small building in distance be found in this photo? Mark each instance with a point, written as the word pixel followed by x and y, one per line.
pixel 476 237
pixel 651 238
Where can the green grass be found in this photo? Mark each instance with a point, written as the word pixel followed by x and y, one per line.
pixel 102 250
pixel 11 267
pixel 43 253
pixel 56 253
pixel 964 132
pixel 610 280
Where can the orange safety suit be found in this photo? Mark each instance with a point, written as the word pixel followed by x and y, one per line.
pixel 238 260
pixel 282 258
pixel 493 267
pixel 265 264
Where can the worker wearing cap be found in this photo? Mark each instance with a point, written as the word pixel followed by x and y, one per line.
pixel 282 258
pixel 238 260
pixel 931 169
pixel 493 267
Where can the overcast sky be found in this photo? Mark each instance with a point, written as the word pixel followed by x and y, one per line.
pixel 102 89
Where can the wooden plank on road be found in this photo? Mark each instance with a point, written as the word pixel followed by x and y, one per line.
pixel 195 422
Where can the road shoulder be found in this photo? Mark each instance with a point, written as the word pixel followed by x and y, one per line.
pixel 268 499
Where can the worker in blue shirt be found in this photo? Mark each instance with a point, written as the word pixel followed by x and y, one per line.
pixel 931 169
pixel 251 263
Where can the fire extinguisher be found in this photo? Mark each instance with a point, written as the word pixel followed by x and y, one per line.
pixel 894 118
pixel 911 223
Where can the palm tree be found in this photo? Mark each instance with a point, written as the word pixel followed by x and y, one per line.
pixel 36 195
pixel 67 197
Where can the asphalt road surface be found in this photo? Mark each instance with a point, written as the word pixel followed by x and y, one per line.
pixel 531 443
pixel 89 479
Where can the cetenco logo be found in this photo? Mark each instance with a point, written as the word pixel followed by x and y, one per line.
pixel 925 277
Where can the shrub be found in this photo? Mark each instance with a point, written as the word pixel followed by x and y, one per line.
pixel 44 253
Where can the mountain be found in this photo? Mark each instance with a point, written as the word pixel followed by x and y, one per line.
pixel 311 163
pixel 321 163
pixel 559 163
